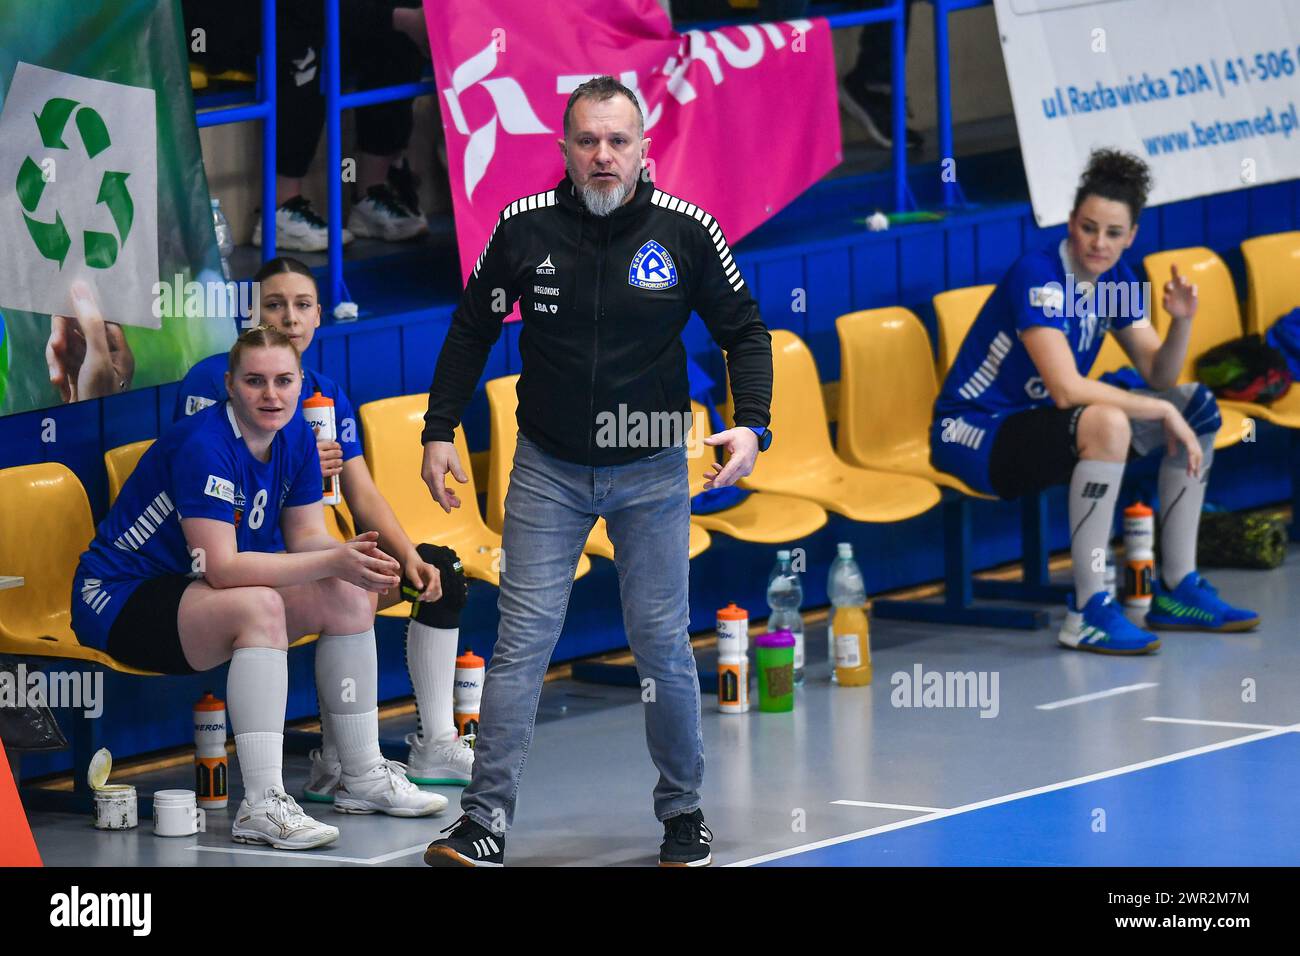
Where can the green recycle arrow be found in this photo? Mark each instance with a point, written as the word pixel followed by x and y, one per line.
pixel 51 238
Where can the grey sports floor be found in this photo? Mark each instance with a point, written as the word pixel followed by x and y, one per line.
pixel 846 761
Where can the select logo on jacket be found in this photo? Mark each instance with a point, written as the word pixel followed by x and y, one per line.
pixel 652 268
pixel 546 268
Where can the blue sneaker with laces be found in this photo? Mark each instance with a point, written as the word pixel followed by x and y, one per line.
pixel 1102 628
pixel 1195 605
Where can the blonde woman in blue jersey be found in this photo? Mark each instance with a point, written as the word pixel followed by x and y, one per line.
pixel 432 575
pixel 1018 412
pixel 183 576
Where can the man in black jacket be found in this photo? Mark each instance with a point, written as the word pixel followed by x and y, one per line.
pixel 607 270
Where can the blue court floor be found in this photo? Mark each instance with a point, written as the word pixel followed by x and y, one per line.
pixel 1229 804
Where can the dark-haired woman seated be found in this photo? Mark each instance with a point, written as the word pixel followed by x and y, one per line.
pixel 1018 413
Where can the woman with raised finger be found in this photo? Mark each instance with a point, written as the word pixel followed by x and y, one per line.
pixel 1018 412
pixel 182 576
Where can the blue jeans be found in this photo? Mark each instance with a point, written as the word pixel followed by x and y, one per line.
pixel 551 506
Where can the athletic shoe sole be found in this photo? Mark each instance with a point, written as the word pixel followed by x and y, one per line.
pixel 360 229
pixel 297 245
pixel 446 856
pixel 704 862
pixel 439 781
pixel 1227 628
pixel 1091 649
pixel 259 839
pixel 316 796
pixel 345 807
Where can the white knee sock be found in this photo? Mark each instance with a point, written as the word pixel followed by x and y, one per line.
pixel 431 662
pixel 1181 499
pixel 347 688
pixel 1094 489
pixel 257 688
pixel 329 753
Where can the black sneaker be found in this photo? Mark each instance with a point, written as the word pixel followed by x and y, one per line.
pixel 873 110
pixel 469 845
pixel 686 841
pixel 406 185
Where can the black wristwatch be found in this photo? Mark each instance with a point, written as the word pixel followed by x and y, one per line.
pixel 764 436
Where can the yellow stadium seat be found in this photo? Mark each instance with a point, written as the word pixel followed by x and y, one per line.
pixel 887 392
pixel 801 462
pixel 955 312
pixel 1218 320
pixel 1272 278
pixel 760 518
pixel 1111 358
pixel 503 401
pixel 119 462
pixel 44 503
pixel 394 455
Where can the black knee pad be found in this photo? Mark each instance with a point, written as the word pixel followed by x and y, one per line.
pixel 444 612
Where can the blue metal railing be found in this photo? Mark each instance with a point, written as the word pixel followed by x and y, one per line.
pixel 894 13
pixel 952 191
pixel 262 110
pixel 336 101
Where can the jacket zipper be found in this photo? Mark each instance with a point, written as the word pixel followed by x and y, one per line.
pixel 601 244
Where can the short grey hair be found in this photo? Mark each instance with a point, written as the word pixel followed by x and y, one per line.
pixel 602 88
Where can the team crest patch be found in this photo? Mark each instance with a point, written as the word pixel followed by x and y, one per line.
pixel 652 268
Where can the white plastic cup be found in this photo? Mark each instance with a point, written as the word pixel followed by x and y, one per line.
pixel 177 813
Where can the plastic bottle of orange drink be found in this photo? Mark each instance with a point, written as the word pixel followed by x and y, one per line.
pixel 849 623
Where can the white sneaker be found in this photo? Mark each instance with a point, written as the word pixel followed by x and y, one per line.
pixel 450 762
pixel 385 789
pixel 298 228
pixel 324 779
pixel 380 215
pixel 279 821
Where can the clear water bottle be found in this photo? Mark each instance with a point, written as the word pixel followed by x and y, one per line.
pixel 784 595
pixel 224 240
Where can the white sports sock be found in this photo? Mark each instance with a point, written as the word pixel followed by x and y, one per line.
pixel 1094 489
pixel 257 688
pixel 261 760
pixel 347 689
pixel 431 662
pixel 357 737
pixel 328 752
pixel 1181 499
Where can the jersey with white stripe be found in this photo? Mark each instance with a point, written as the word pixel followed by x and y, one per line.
pixel 199 468
pixel 993 371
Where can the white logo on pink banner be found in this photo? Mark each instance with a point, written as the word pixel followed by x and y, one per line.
pixel 743 119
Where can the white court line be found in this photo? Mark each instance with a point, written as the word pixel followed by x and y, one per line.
pixel 887 806
pixel 312 857
pixel 1213 723
pixel 1071 701
pixel 1020 795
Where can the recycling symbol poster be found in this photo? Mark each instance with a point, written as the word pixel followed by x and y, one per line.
pixel 103 204
pixel 79 160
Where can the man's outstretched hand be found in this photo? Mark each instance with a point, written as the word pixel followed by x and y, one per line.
pixel 440 458
pixel 742 449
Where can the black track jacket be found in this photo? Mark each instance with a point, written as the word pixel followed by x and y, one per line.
pixel 603 301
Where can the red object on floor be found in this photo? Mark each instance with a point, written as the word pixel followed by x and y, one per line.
pixel 17 847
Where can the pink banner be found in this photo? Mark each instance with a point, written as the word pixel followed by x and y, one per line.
pixel 741 119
